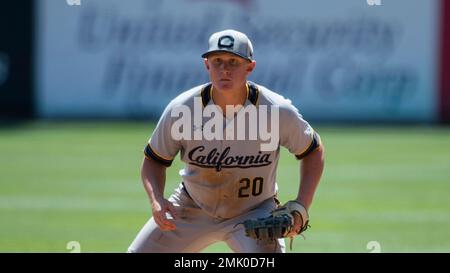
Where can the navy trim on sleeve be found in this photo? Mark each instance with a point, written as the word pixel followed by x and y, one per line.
pixel 149 153
pixel 314 145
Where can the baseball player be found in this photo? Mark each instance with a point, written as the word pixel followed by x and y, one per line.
pixel 225 181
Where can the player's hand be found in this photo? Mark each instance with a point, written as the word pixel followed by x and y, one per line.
pixel 163 210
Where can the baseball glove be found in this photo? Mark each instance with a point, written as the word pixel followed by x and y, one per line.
pixel 280 224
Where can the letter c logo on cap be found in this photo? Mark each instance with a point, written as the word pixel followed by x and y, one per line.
pixel 226 41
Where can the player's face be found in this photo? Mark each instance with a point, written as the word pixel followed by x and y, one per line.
pixel 228 71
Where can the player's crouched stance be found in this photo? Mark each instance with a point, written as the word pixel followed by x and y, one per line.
pixel 228 184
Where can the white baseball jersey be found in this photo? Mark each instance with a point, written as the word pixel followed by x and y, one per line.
pixel 226 178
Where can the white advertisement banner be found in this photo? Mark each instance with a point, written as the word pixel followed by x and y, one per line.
pixel 337 60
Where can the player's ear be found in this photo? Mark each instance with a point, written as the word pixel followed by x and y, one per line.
pixel 251 66
pixel 206 63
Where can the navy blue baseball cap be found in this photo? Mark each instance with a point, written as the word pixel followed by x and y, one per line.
pixel 230 41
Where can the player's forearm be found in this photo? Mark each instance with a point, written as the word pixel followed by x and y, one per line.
pixel 310 173
pixel 153 177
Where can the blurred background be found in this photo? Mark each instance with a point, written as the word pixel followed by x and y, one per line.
pixel 83 82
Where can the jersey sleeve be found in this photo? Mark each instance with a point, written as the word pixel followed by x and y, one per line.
pixel 161 146
pixel 296 134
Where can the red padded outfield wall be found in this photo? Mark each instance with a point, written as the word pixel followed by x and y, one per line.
pixel 444 81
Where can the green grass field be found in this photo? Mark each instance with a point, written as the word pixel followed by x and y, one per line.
pixel 62 182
